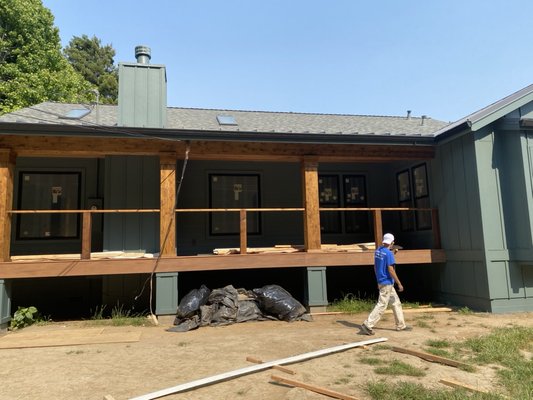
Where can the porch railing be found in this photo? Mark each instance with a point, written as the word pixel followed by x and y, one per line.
pixel 243 234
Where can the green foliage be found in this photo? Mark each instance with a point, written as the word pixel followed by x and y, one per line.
pixel 24 316
pixel 351 304
pixel 96 64
pixel 119 316
pixel 32 67
pixel 412 391
pixel 396 368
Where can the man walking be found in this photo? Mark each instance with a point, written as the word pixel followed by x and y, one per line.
pixel 384 268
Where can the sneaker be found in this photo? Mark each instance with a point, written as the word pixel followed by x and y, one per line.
pixel 366 330
pixel 406 328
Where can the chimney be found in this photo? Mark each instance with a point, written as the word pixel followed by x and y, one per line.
pixel 143 54
pixel 142 92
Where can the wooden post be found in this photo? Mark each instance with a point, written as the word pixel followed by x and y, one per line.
pixel 243 232
pixel 436 228
pixel 311 203
pixel 167 216
pixel 378 227
pixel 7 168
pixel 86 236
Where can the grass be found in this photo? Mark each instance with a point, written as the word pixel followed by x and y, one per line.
pixel 354 304
pixel 396 368
pixel 503 348
pixel 119 316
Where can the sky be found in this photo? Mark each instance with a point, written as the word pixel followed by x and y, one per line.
pixel 441 58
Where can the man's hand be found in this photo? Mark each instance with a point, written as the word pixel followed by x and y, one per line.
pixel 400 287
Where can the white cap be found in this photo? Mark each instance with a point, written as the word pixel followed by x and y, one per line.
pixel 388 238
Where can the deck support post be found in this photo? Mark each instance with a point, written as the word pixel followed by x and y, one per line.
pixel 311 203
pixel 5 304
pixel 316 289
pixel 167 216
pixel 7 168
pixel 166 293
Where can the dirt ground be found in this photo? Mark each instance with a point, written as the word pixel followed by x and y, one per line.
pixel 161 359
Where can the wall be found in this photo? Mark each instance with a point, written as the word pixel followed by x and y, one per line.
pixel 463 279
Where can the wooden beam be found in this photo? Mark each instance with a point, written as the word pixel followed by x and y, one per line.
pixel 435 225
pixel 167 216
pixel 76 267
pixel 278 367
pixel 431 357
pixel 243 232
pixel 378 228
pixel 86 236
pixel 254 368
pixel 7 168
pixel 311 203
pixel 460 385
pixel 70 146
pixel 313 388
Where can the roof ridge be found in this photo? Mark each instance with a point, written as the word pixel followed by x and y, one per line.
pixel 297 113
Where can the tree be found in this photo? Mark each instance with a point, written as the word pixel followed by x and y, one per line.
pixel 95 63
pixel 32 67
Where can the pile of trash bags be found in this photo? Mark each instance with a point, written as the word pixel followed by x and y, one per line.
pixel 227 305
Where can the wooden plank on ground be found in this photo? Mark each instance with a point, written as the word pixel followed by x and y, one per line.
pixel 313 388
pixel 430 357
pixel 278 367
pixel 460 385
pixel 254 368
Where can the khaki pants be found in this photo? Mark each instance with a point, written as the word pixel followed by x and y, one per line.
pixel 387 294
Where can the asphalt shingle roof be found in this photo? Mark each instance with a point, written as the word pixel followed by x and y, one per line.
pixel 247 121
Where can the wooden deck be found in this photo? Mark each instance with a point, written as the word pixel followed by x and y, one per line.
pixel 120 266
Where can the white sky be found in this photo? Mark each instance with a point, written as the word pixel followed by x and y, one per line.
pixel 444 59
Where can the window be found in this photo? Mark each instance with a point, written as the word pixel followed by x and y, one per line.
pixel 412 186
pixel 355 196
pixel 226 120
pixel 49 191
pixel 352 193
pixel 233 191
pixel 420 182
pixel 328 192
pixel 403 184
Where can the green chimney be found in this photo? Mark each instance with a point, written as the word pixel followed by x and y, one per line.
pixel 142 92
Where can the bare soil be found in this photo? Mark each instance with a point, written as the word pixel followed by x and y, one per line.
pixel 162 359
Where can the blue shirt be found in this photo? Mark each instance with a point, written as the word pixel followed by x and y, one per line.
pixel 383 257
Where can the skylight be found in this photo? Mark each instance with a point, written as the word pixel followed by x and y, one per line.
pixel 76 113
pixel 226 120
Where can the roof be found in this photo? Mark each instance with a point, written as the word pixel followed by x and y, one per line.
pixel 194 119
pixel 489 114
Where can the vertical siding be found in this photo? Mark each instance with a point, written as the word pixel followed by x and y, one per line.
pixel 130 183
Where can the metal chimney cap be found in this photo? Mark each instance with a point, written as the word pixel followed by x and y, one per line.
pixel 143 54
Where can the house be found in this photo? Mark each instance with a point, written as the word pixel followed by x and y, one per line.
pixel 138 203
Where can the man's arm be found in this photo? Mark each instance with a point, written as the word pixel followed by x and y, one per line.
pixel 392 273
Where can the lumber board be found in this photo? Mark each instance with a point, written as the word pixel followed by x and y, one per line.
pixel 253 368
pixel 313 388
pixel 430 357
pixel 460 385
pixel 278 367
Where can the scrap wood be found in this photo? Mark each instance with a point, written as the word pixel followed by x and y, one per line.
pixel 108 397
pixel 278 367
pixel 254 368
pixel 423 310
pixel 313 388
pixel 430 357
pixel 460 385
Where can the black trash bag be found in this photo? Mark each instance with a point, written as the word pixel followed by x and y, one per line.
pixel 227 296
pixel 224 315
pixel 186 324
pixel 206 314
pixel 191 302
pixel 248 311
pixel 275 300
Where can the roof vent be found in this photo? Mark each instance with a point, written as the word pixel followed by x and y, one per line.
pixel 143 54
pixel 408 114
pixel 424 117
